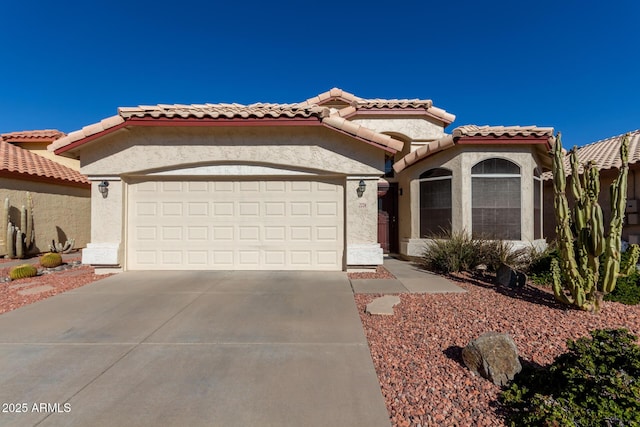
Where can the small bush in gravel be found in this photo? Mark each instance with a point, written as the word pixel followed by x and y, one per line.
pixel 596 383
pixel 451 252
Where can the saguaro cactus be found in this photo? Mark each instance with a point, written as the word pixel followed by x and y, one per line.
pixel 577 279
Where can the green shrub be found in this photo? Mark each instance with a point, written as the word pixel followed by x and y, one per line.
pixel 22 271
pixel 51 260
pixel 596 383
pixel 627 290
pixel 451 252
pixel 539 270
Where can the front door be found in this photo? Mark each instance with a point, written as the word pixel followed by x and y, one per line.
pixel 388 216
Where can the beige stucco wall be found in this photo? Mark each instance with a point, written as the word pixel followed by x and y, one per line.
pixel 460 160
pixel 183 152
pixel 314 148
pixel 413 129
pixel 59 212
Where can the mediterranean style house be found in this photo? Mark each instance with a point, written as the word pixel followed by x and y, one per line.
pixel 329 183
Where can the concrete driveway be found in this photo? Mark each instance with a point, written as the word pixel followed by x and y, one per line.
pixel 191 349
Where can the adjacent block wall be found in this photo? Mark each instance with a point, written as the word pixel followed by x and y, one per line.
pixel 59 212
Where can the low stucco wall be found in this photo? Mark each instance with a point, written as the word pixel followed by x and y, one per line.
pixel 59 212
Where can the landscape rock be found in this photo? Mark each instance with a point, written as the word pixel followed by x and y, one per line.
pixel 493 356
pixel 507 276
pixel 383 305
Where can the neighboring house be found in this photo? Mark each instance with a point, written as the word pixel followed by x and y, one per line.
pixel 61 196
pixel 606 155
pixel 299 186
pixel 37 141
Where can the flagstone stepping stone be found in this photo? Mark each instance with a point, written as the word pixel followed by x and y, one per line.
pixel 36 290
pixel 383 305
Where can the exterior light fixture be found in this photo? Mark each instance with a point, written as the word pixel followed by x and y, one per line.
pixel 361 187
pixel 103 188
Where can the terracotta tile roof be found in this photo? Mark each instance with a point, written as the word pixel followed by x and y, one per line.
pixel 497 131
pixel 357 103
pixel 304 110
pixel 20 162
pixel 332 94
pixel 229 111
pixel 32 136
pixel 423 152
pixel 605 153
pixel 491 132
pixel 362 132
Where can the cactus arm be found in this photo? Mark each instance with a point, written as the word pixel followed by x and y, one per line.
pixel 4 221
pixel 618 192
pixel 632 261
pixel 19 244
pixel 10 241
pixel 30 236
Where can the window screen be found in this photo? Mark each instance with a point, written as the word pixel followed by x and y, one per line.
pixel 435 202
pixel 496 200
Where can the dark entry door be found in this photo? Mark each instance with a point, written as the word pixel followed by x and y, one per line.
pixel 388 216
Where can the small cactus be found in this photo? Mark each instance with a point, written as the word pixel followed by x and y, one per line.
pixel 51 260
pixel 23 271
pixel 59 247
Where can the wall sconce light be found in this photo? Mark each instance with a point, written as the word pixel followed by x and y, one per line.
pixel 361 187
pixel 103 188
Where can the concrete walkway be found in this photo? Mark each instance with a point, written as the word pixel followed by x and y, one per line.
pixel 409 279
pixel 192 349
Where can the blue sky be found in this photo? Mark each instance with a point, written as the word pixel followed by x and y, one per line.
pixel 573 65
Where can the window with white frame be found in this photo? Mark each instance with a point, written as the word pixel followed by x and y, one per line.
pixel 495 199
pixel 435 202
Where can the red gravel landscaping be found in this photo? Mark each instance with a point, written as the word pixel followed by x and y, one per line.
pixel 417 351
pixel 61 281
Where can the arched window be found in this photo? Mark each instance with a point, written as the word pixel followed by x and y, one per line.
pixel 495 200
pixel 435 202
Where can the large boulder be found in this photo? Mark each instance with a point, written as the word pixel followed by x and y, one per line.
pixel 493 356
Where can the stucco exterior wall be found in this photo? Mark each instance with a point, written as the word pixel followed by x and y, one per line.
pixel 147 149
pixel 189 152
pixel 59 212
pixel 413 129
pixel 460 160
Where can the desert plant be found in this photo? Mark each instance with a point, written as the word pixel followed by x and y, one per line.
pixel 451 252
pixel 22 271
pixel 627 289
pixel 51 260
pixel 19 242
pixel 576 276
pixel 58 247
pixel 596 383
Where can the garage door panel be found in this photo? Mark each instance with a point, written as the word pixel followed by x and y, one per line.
pixel 267 224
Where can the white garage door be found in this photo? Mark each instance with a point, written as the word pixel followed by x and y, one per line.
pixel 235 225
